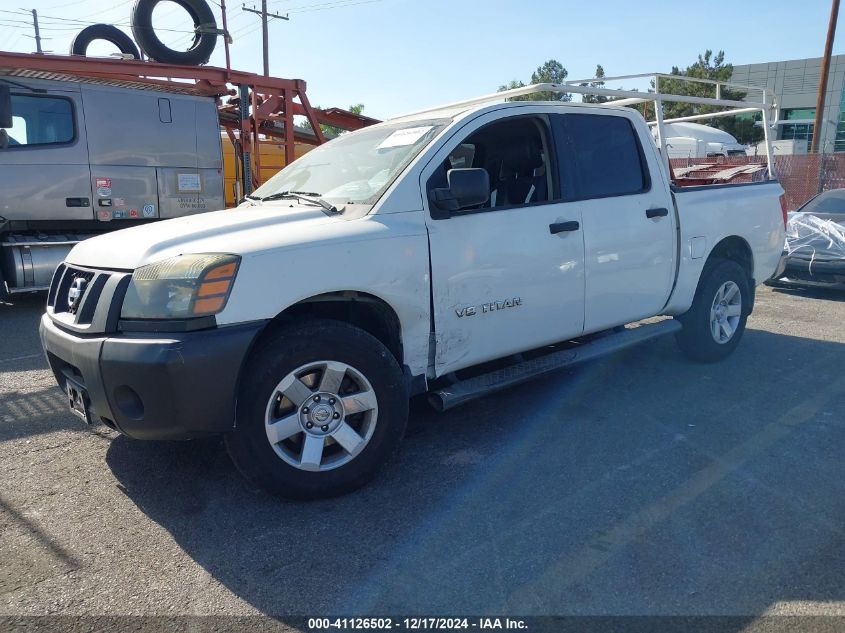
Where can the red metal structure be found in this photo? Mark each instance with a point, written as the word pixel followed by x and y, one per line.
pixel 256 107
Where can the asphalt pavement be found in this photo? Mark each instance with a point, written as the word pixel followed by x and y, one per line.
pixel 641 484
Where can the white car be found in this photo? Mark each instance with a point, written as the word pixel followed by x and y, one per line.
pixel 399 260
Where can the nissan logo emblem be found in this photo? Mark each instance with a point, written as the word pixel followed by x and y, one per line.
pixel 74 295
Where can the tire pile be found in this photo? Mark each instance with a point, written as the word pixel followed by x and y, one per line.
pixel 198 53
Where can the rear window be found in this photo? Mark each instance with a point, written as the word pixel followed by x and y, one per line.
pixel 607 157
pixel 832 202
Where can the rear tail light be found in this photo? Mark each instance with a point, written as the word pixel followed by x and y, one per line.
pixel 783 208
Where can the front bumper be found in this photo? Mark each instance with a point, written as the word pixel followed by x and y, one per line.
pixel 805 272
pixel 155 386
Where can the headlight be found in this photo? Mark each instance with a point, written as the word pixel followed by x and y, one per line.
pixel 181 287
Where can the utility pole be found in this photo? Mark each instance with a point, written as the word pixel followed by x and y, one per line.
pixel 226 36
pixel 37 32
pixel 264 17
pixel 818 131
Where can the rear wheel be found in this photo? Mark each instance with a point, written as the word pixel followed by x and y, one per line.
pixel 323 405
pixel 714 324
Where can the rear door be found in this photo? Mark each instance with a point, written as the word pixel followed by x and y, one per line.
pixel 628 223
pixel 507 276
pixel 44 172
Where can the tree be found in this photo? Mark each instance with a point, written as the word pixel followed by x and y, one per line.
pixel 331 131
pixel 585 98
pixel 552 72
pixel 714 68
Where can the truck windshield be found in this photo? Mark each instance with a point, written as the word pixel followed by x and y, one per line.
pixel 356 167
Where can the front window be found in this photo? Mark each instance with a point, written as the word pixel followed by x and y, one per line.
pixel 357 167
pixel 40 120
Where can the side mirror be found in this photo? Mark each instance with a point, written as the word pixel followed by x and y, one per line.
pixel 5 107
pixel 468 187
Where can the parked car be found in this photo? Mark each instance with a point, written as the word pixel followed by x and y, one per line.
pixel 814 253
pixel 452 252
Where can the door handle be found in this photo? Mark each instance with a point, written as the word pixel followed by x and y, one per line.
pixel 77 202
pixel 562 227
pixel 656 213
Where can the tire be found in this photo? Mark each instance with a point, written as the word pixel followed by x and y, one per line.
pixel 372 384
pixel 698 337
pixel 107 32
pixel 204 40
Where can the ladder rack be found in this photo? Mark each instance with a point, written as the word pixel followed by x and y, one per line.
pixel 765 103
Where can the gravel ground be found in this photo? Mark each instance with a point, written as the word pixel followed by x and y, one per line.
pixel 641 484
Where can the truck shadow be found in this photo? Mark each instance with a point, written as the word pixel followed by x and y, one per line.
pixel 640 484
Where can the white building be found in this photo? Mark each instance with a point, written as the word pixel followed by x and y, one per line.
pixel 795 84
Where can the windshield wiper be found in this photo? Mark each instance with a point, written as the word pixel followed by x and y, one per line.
pixel 305 196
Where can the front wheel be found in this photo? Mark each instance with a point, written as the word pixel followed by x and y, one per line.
pixel 322 406
pixel 714 324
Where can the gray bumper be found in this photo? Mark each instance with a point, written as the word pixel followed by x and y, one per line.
pixel 155 386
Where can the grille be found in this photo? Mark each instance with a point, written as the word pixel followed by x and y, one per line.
pixel 59 296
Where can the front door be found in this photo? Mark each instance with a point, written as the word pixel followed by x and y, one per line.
pixel 509 275
pixel 44 173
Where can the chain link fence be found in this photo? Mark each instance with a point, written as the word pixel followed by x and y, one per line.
pixel 801 175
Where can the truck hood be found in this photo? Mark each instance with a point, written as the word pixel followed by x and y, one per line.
pixel 241 231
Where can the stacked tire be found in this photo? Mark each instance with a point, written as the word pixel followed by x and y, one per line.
pixel 198 53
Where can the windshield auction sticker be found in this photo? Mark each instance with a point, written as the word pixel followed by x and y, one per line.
pixel 408 136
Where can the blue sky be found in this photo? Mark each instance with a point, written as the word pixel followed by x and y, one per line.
pixel 400 55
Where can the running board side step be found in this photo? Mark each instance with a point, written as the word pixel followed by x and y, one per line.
pixel 463 391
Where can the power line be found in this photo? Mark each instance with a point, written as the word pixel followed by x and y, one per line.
pixel 51 22
pixel 27 22
pixel 336 6
pixel 65 4
pixel 322 6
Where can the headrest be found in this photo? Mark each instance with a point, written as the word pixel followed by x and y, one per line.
pixel 523 156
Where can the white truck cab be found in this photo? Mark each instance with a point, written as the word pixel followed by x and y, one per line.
pixel 693 140
pixel 451 252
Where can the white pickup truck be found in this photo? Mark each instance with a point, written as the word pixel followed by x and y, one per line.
pixel 451 252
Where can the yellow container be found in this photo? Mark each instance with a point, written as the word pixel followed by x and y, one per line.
pixel 272 161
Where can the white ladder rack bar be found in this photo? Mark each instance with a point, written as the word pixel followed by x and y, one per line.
pixel 656 76
pixel 709 115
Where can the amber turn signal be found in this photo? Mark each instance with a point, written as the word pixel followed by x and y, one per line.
pixel 214 289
